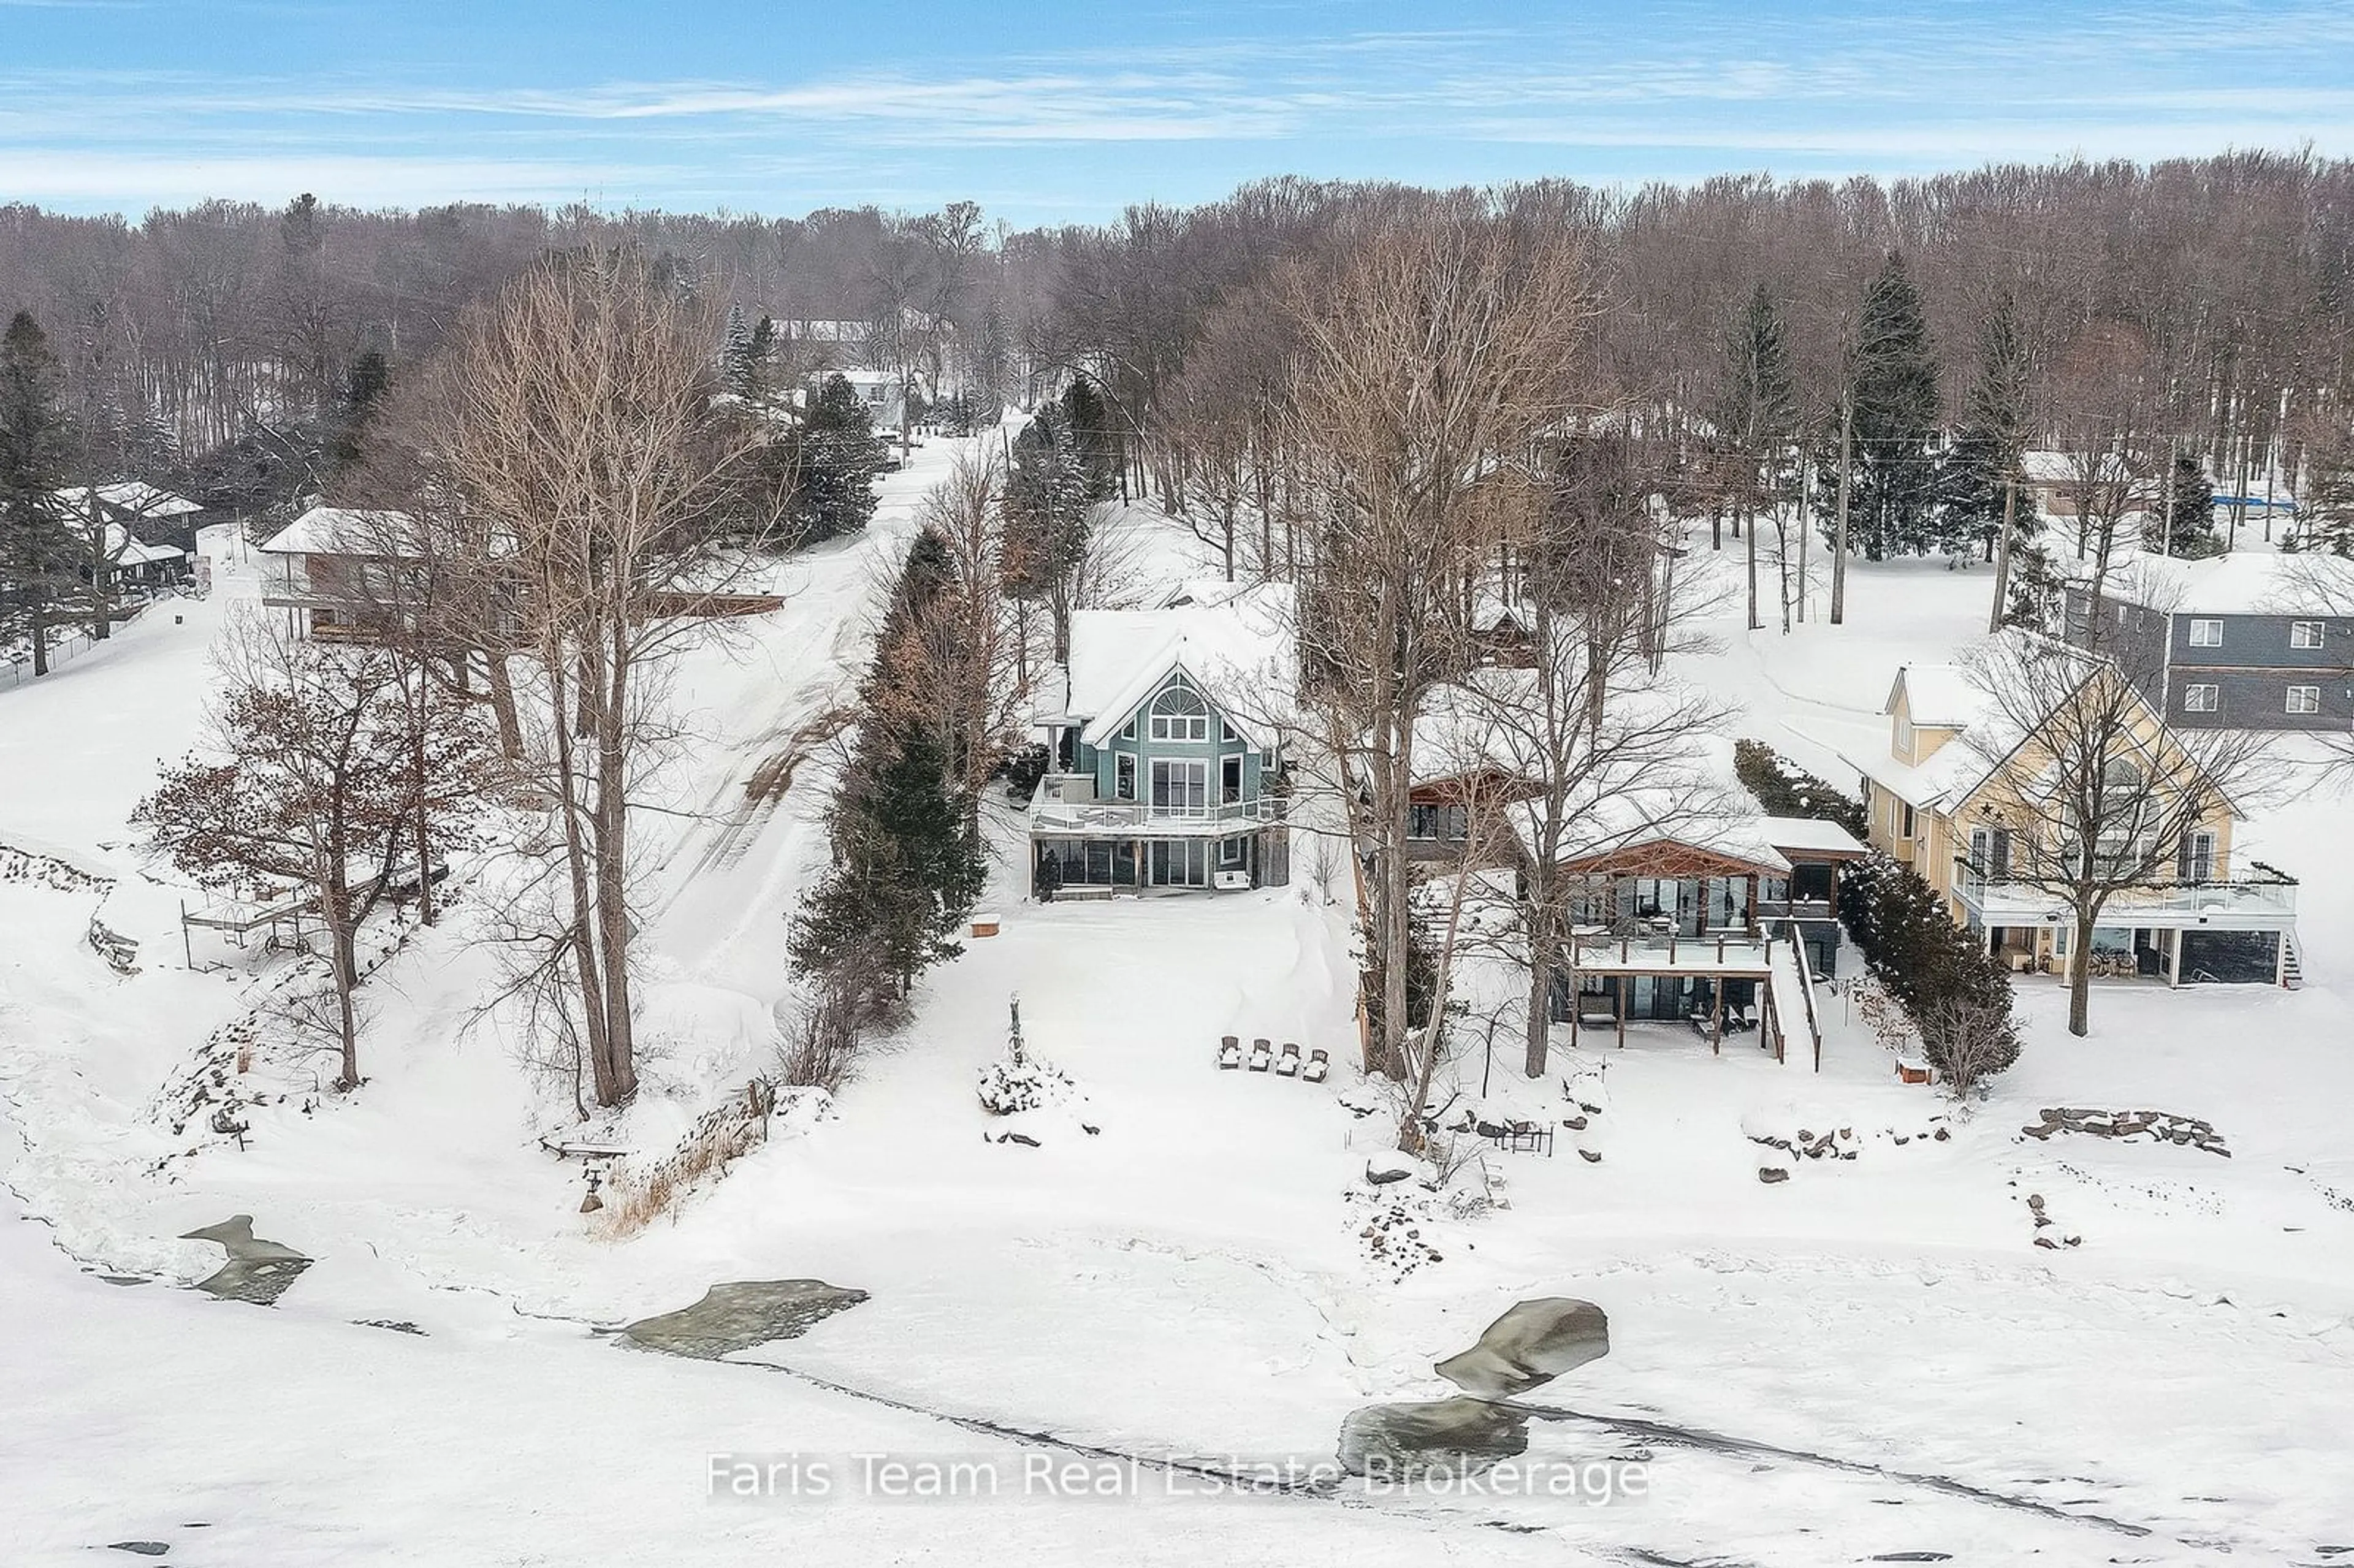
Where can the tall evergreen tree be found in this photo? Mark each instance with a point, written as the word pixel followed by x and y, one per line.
pixel 363 392
pixel 1050 494
pixel 37 546
pixel 908 861
pixel 1894 388
pixel 2189 532
pixel 752 381
pixel 1087 420
pixel 1988 446
pixel 736 349
pixel 2325 520
pixel 837 457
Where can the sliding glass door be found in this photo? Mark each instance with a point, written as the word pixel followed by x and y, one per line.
pixel 1179 787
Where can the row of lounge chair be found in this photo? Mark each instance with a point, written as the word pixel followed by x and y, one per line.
pixel 1287 1063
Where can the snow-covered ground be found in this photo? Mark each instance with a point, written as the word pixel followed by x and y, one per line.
pixel 1870 1358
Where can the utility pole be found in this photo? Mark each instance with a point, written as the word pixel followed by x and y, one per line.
pixel 1838 543
pixel 2002 551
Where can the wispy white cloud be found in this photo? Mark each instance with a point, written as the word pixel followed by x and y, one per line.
pixel 1610 91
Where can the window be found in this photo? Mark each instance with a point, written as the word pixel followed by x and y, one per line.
pixel 2201 698
pixel 2197 862
pixel 1179 714
pixel 1124 778
pixel 1230 780
pixel 1230 852
pixel 1448 824
pixel 1907 831
pixel 2305 634
pixel 2304 699
pixel 2206 633
pixel 1905 736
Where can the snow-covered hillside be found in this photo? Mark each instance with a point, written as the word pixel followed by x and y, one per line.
pixel 1872 1358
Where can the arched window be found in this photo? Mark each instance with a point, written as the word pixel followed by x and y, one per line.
pixel 1179 714
pixel 2121 777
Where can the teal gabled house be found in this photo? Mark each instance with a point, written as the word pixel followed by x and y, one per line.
pixel 1165 748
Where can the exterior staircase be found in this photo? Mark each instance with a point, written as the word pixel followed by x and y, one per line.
pixel 2292 962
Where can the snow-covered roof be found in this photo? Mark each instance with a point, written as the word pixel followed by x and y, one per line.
pixel 1942 696
pixel 1237 654
pixel 344 531
pixel 1803 837
pixel 132 495
pixel 1634 820
pixel 124 547
pixel 1456 733
pixel 1491 611
pixel 2240 582
pixel 2071 467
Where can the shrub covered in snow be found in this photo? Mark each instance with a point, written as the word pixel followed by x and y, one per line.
pixel 1955 991
pixel 1016 1082
pixel 1786 790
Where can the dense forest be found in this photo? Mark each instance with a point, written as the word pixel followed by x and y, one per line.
pixel 2199 307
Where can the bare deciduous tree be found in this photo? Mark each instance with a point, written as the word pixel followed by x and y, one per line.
pixel 1430 360
pixel 320 771
pixel 574 419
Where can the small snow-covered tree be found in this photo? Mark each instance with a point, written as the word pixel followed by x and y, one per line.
pixel 313 774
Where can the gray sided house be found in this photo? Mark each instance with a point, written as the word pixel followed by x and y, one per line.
pixel 1164 768
pixel 2223 643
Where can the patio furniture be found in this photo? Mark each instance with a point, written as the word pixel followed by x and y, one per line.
pixel 1262 1055
pixel 1320 1063
pixel 1519 1137
pixel 1230 1051
pixel 1287 1065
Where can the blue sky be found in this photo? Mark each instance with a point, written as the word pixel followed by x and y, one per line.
pixel 1054 112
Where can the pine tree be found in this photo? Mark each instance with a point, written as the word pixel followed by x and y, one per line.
pixel 2189 532
pixel 2325 520
pixel 362 392
pixel 735 350
pixel 37 542
pixel 1988 447
pixel 908 864
pixel 1088 421
pixel 1894 388
pixel 837 456
pixel 1049 502
pixel 752 384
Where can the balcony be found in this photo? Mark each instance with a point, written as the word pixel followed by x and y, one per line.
pixel 2262 897
pixel 1595 950
pixel 1140 818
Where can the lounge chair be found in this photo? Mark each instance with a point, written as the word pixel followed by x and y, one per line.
pixel 1230 1051
pixel 1320 1063
pixel 1262 1055
pixel 1287 1063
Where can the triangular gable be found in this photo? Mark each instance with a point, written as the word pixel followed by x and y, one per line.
pixel 1961 798
pixel 1672 857
pixel 1155 678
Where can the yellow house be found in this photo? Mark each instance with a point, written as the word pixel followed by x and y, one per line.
pixel 1949 800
